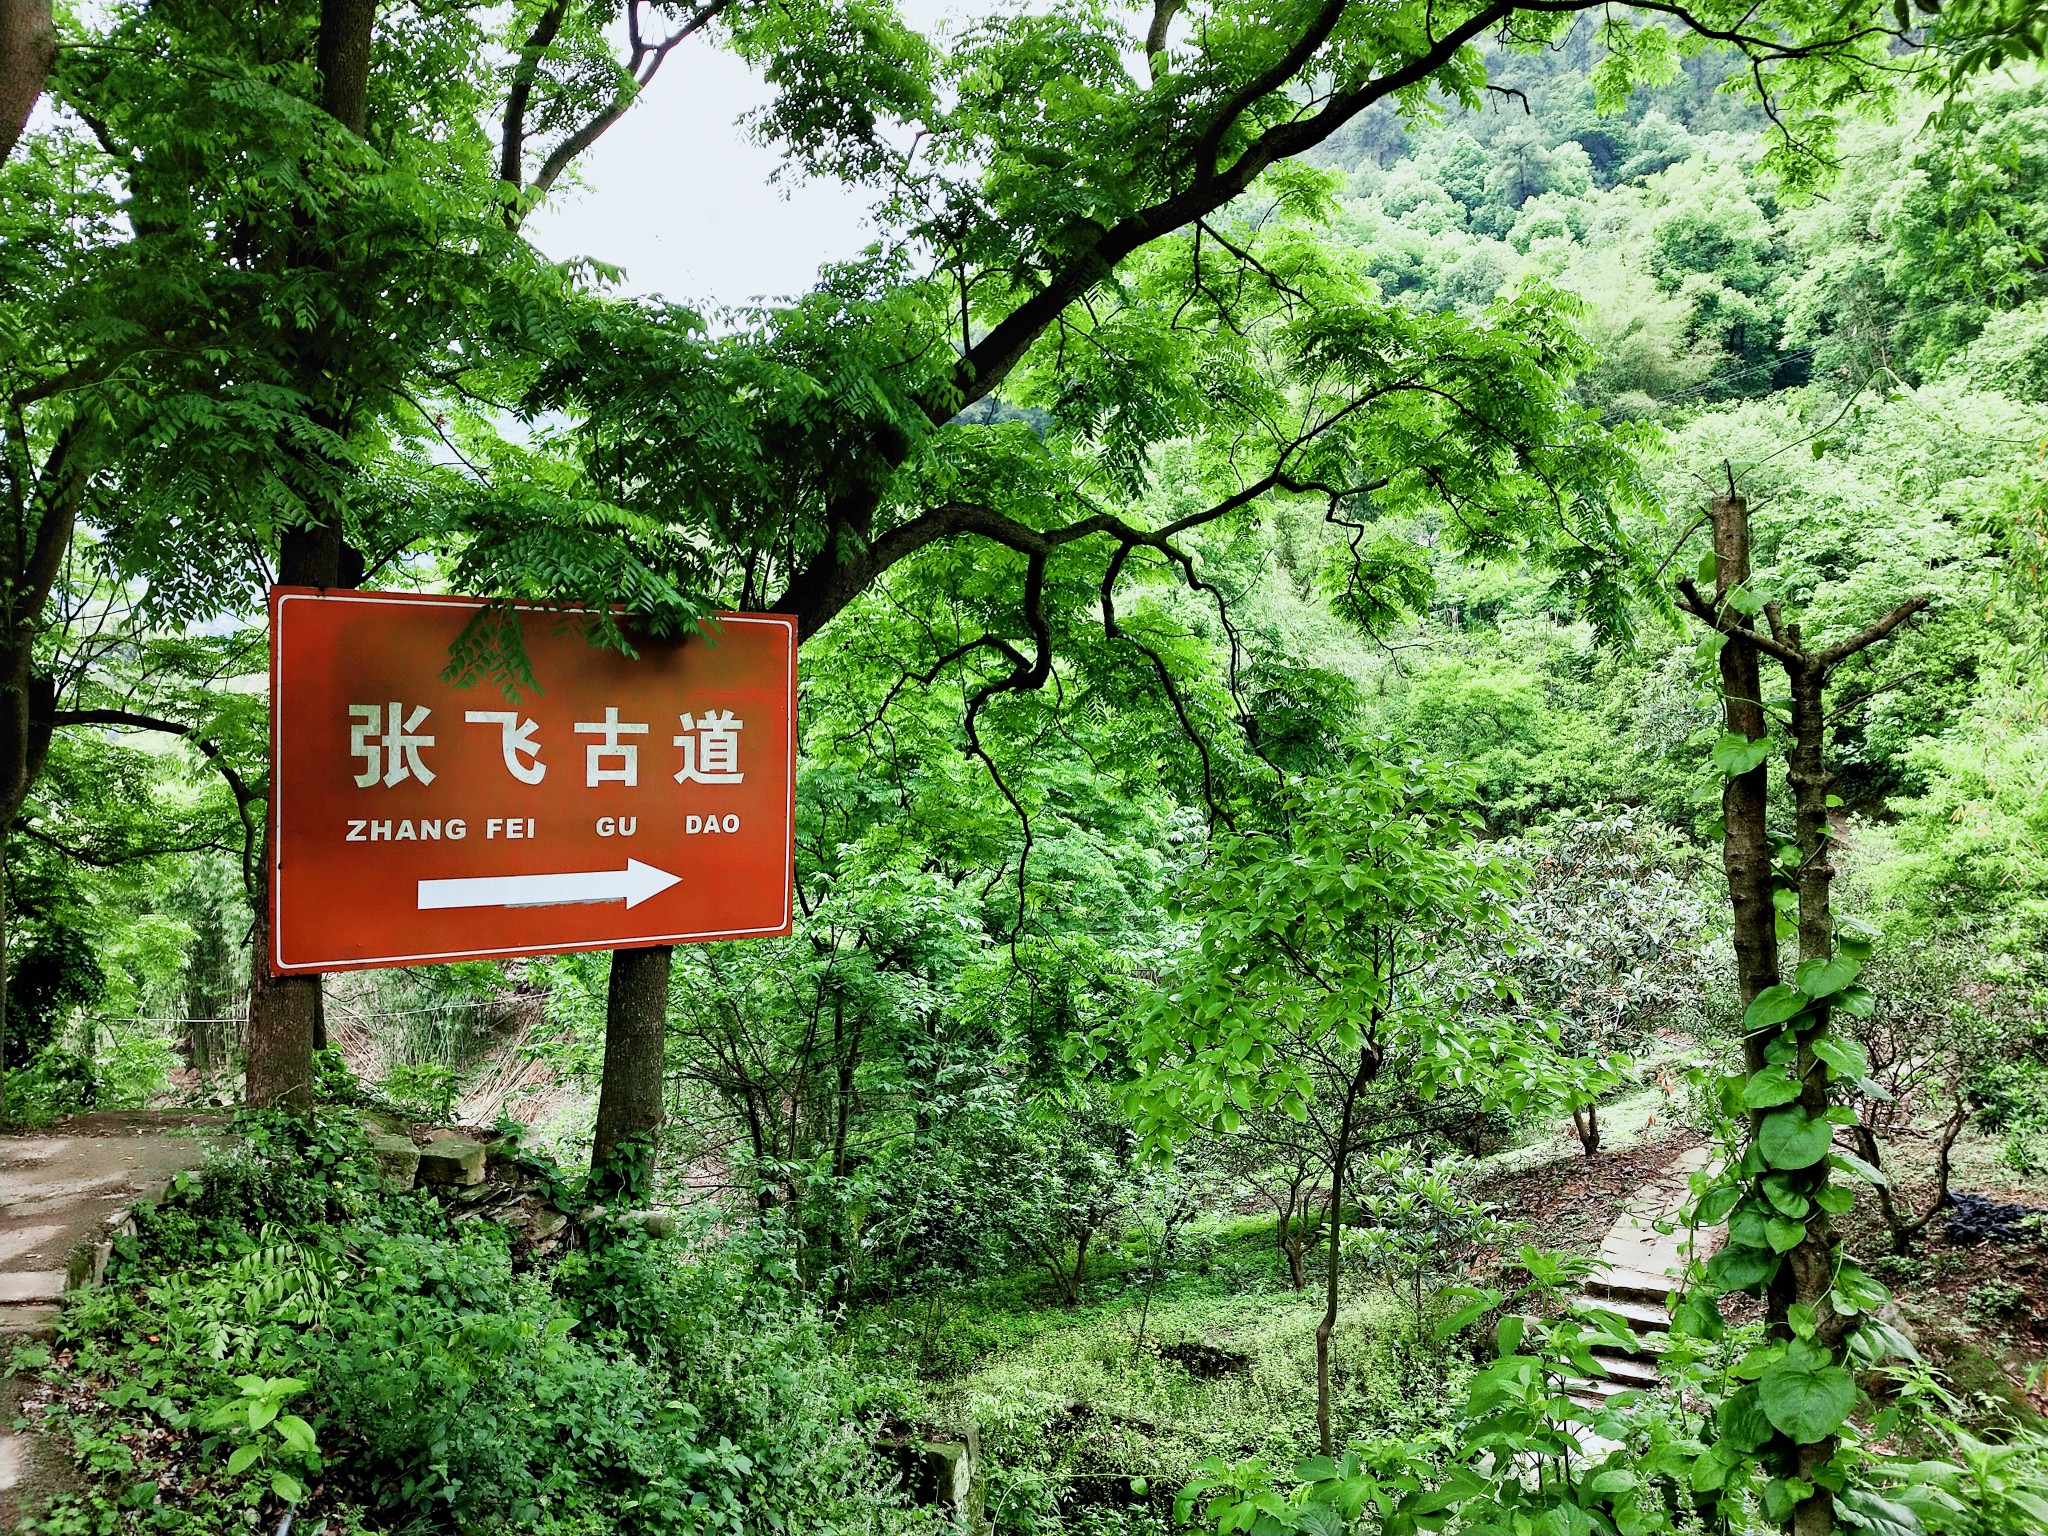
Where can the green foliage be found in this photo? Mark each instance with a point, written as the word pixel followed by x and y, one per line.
pixel 1315 938
pixel 364 1342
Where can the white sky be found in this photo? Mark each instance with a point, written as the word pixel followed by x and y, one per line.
pixel 678 194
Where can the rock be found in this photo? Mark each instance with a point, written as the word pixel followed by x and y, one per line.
pixel 377 1122
pixel 937 1474
pixel 398 1160
pixel 541 1226
pixel 452 1159
pixel 656 1224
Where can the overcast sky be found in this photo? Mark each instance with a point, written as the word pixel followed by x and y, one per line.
pixel 678 195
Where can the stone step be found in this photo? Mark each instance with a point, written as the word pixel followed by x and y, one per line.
pixel 37 1321
pixel 1627 1283
pixel 1592 1394
pixel 20 1287
pixel 1638 1369
pixel 1638 1315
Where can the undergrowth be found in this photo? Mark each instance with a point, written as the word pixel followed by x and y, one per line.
pixel 283 1334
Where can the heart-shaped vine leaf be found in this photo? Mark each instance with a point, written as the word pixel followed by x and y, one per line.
pixel 1788 1139
pixel 1773 1005
pixel 1824 978
pixel 1845 1058
pixel 1737 1269
pixel 1735 755
pixel 1767 1089
pixel 1747 1229
pixel 1849 1162
pixel 1805 1394
pixel 1716 1203
pixel 1785 1235
pixel 1742 1421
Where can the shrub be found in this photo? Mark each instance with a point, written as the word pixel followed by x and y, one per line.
pixel 404 1374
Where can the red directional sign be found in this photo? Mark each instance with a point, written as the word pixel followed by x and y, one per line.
pixel 621 803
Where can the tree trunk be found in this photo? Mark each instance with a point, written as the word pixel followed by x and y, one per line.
pixel 630 1101
pixel 342 56
pixel 287 1020
pixel 287 1014
pixel 28 49
pixel 1805 1276
pixel 1080 1274
pixel 1746 844
pixel 1586 1124
pixel 1326 1326
pixel 1809 1267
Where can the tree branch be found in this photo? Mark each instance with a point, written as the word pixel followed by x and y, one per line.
pixel 1865 638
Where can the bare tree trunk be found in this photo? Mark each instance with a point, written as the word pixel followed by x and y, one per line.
pixel 287 1014
pixel 28 49
pixel 1326 1326
pixel 1586 1124
pixel 630 1101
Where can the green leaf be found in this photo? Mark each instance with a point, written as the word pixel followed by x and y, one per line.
pixel 1845 1058
pixel 1716 1203
pixel 1849 1162
pixel 1698 1316
pixel 1802 1319
pixel 1876 1515
pixel 1746 599
pixel 297 1434
pixel 1773 1005
pixel 1805 1394
pixel 1737 1269
pixel 1856 1291
pixel 1709 568
pixel 243 1459
pixel 1782 1496
pixel 287 1487
pixel 1710 645
pixel 1788 1139
pixel 1785 1234
pixel 1747 1229
pixel 1785 1199
pixel 1736 755
pixel 1824 978
pixel 1769 1088
pixel 1507 1334
pixel 1855 938
pixel 1741 1419
pixel 1857 1002
pixel 1835 1200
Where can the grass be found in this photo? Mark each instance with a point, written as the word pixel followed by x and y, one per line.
pixel 1076 1409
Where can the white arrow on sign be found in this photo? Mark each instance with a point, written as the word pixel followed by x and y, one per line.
pixel 632 885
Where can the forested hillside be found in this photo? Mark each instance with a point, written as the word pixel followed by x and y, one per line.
pixel 1389 698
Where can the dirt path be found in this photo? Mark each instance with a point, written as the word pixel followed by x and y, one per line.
pixel 65 1194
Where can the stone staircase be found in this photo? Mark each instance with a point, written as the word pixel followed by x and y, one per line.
pixel 1639 1265
pixel 66 1195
